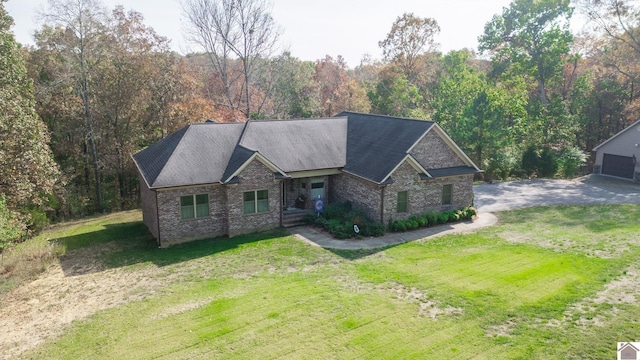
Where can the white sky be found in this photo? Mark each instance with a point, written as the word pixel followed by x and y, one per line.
pixel 311 29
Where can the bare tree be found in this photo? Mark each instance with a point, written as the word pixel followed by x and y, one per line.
pixel 82 22
pixel 233 32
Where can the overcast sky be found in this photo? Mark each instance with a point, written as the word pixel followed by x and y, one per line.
pixel 311 29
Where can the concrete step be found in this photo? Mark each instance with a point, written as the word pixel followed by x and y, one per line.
pixel 291 220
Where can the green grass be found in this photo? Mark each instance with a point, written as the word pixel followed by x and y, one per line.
pixel 522 289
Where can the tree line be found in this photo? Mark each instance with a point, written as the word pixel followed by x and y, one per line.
pixel 99 85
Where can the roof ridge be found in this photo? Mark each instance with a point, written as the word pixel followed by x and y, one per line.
pixel 384 116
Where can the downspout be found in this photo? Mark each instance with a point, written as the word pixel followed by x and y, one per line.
pixel 158 218
pixel 382 204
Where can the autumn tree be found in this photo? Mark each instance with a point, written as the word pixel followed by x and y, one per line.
pixel 337 91
pixel 233 29
pixel 410 37
pixel 79 29
pixel 27 170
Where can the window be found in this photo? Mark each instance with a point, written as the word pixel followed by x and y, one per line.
pixel 194 206
pixel 402 202
pixel 447 194
pixel 255 201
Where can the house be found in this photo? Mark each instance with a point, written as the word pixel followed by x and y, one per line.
pixel 617 156
pixel 627 352
pixel 215 179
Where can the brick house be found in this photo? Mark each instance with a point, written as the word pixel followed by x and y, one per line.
pixel 215 179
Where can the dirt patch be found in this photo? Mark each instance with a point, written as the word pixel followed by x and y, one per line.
pixel 623 290
pixel 427 307
pixel 39 310
pixel 505 329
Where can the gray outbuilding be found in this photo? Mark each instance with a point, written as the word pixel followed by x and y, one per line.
pixel 617 156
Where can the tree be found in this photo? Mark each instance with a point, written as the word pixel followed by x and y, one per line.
pixel 337 91
pixel 228 28
pixel 534 34
pixel 410 36
pixel 27 170
pixel 79 26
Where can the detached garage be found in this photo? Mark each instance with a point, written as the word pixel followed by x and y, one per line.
pixel 617 156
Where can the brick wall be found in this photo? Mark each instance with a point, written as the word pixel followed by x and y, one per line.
pixel 433 153
pixel 424 195
pixel 363 194
pixel 149 208
pixel 174 230
pixel 256 176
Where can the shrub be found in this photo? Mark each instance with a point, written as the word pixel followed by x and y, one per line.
pixel 320 222
pixel 410 224
pixel 372 229
pixel 443 218
pixel 399 226
pixel 432 217
pixel 571 159
pixel 422 221
pixel 310 219
pixel 337 211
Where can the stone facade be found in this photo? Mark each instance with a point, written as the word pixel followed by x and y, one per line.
pixel 433 153
pixel 361 193
pixel 424 195
pixel 149 208
pixel 256 176
pixel 174 230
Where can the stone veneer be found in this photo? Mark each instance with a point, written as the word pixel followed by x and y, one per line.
pixel 174 230
pixel 424 195
pixel 434 153
pixel 362 193
pixel 256 176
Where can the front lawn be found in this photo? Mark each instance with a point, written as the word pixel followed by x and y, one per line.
pixel 550 282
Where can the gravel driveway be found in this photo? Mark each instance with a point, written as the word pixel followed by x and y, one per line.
pixel 590 189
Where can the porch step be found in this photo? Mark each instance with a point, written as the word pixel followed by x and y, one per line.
pixel 291 220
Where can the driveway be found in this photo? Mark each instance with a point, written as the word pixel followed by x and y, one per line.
pixel 590 189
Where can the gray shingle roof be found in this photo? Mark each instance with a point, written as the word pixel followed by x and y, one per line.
pixel 378 143
pixel 196 154
pixel 369 146
pixel 299 145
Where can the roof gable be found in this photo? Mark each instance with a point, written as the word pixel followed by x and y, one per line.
pixel 377 144
pixel 618 134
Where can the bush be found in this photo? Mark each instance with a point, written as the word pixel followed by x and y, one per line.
pixel 432 217
pixel 337 211
pixel 339 219
pixel 422 221
pixel 542 162
pixel 372 229
pixel 399 226
pixel 10 227
pixel 570 160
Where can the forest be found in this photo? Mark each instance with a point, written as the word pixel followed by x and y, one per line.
pixel 100 85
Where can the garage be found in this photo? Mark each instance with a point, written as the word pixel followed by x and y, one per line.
pixel 620 166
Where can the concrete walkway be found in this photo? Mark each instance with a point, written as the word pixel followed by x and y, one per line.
pixel 316 238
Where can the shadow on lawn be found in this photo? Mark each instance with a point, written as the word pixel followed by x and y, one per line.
pixel 125 244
